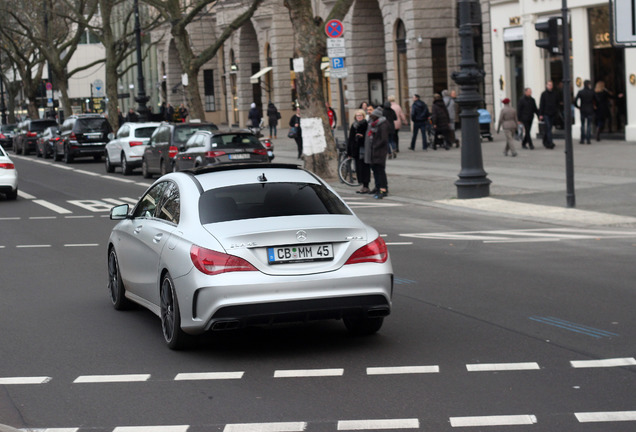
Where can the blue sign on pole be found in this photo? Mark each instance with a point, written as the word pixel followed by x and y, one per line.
pixel 337 63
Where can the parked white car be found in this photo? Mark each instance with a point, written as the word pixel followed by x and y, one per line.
pixel 127 147
pixel 8 176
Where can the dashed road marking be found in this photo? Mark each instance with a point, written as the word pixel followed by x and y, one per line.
pixel 498 420
pixel 402 370
pixel 300 373
pixel 208 376
pixel 346 425
pixel 495 367
pixel 24 380
pixel 85 379
pixel 266 427
pixel 608 416
pixel 616 362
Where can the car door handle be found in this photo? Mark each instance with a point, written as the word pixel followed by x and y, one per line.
pixel 137 229
pixel 157 238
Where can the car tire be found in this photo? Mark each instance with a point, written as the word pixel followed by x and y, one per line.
pixel 362 325
pixel 173 335
pixel 109 166
pixel 115 284
pixel 165 167
pixel 68 158
pixel 13 195
pixel 38 153
pixel 145 172
pixel 54 155
pixel 45 153
pixel 126 169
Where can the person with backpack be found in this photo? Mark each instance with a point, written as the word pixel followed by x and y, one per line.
pixel 419 117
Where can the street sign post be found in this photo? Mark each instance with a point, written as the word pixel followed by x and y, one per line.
pixel 334 28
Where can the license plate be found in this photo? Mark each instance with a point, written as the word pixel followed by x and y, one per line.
pixel 93 135
pixel 240 156
pixel 300 253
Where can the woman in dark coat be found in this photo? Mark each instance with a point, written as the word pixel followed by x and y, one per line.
pixel 441 121
pixel 376 147
pixel 272 117
pixel 295 122
pixel 355 150
pixel 602 99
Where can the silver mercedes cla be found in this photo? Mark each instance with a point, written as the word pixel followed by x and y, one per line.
pixel 230 246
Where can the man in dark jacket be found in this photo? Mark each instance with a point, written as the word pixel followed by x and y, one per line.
pixel 584 101
pixel 391 117
pixel 441 121
pixel 526 110
pixel 548 111
pixel 419 116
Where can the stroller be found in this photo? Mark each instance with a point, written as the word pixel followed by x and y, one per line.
pixel 485 120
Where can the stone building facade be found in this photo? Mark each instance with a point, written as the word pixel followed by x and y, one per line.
pixel 393 47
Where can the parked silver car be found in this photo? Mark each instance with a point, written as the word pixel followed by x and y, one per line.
pixel 8 176
pixel 234 245
pixel 126 149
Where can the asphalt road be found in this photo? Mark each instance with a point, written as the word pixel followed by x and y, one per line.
pixel 498 324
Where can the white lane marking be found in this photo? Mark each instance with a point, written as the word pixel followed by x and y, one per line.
pixel 52 206
pixel 111 378
pixel 10 218
pixel 402 370
pixel 51 430
pixel 295 373
pixel 208 376
pixel 609 416
pixel 113 201
pixel 25 380
pixel 525 235
pixel 81 244
pixel 399 243
pixel 79 217
pixel 88 173
pixel 2 247
pixel 176 428
pixel 490 367
pixel 42 217
pixel 266 427
pixel 521 240
pixel 33 246
pixel 616 362
pixel 411 423
pixel 25 195
pixel 502 420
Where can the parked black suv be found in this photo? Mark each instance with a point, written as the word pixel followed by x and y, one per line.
pixel 82 135
pixel 26 137
pixel 164 145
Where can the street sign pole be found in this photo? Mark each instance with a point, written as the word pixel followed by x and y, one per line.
pixel 567 117
pixel 337 53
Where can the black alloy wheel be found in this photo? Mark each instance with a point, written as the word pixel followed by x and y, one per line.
pixel 174 336
pixel 115 285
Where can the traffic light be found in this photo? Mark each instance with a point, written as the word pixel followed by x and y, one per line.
pixel 551 28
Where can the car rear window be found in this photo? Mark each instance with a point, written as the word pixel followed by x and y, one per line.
pixel 88 125
pixel 144 132
pixel 235 141
pixel 268 200
pixel 182 133
pixel 40 126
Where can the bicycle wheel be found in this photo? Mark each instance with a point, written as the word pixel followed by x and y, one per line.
pixel 347 172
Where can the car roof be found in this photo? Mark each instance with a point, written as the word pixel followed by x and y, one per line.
pixel 142 124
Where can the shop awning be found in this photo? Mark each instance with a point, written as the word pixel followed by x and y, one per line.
pixel 254 78
pixel 512 34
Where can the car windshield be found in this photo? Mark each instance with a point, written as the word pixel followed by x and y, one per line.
pixel 182 133
pixel 40 126
pixel 93 125
pixel 268 200
pixel 235 141
pixel 144 132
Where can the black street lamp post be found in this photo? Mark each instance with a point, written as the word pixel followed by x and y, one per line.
pixel 141 98
pixel 473 181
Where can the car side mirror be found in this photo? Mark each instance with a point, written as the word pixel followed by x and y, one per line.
pixel 110 136
pixel 119 212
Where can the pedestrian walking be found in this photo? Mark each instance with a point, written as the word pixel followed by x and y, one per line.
pixel 419 116
pixel 526 110
pixel 548 112
pixel 602 98
pixel 509 122
pixel 169 113
pixel 183 113
pixel 355 150
pixel 272 118
pixel 585 102
pixel 449 102
pixel 401 120
pixel 375 151
pixel 441 121
pixel 254 116
pixel 294 122
pixel 132 116
pixel 369 109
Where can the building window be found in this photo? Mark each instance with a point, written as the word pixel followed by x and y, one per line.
pixel 440 72
pixel 208 89
pixel 88 37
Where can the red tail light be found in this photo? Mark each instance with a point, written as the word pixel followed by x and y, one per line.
pixel 375 251
pixel 7 165
pixel 31 134
pixel 261 152
pixel 72 136
pixel 2 136
pixel 138 143
pixel 214 154
pixel 213 263
pixel 172 151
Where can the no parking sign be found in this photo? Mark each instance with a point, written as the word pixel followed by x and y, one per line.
pixel 334 28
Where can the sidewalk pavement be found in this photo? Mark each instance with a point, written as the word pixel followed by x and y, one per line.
pixel 531 186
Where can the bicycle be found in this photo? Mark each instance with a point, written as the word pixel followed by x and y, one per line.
pixel 346 166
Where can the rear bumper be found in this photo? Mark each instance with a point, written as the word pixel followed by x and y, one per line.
pixel 81 150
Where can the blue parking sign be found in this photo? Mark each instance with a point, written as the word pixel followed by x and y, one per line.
pixel 337 63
